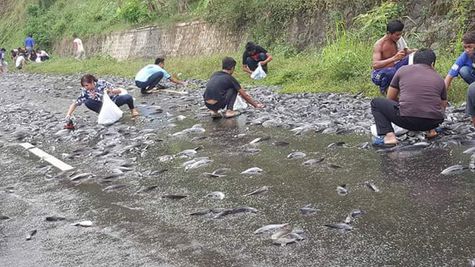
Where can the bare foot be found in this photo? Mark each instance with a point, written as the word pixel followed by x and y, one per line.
pixel 431 134
pixel 231 113
pixel 134 112
pixel 390 139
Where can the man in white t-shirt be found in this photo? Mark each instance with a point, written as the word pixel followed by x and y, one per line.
pixel 78 48
pixel 20 61
pixel 3 63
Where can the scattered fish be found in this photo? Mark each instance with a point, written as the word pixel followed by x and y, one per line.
pixel 30 234
pixel 455 169
pixel 312 162
pixel 269 228
pixel 147 189
pixel 81 176
pixel 470 150
pixel 259 139
pixel 372 186
pixel 283 241
pixel 174 196
pixel 336 144
pixel 55 218
pixel 281 232
pixel 258 191
pixel 308 210
pixel 341 226
pixel 218 173
pixel 188 153
pixel 342 190
pixel 281 143
pixel 252 171
pixel 234 211
pixel 296 155
pixel 216 195
pixel 334 166
pixel 114 187
pixel 4 217
pixel 302 129
pixel 82 223
pixel 356 213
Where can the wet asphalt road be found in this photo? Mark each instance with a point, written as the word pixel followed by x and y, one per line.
pixel 420 218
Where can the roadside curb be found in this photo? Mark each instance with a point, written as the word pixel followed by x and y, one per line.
pixel 47 157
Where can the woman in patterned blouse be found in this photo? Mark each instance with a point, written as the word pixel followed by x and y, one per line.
pixel 92 92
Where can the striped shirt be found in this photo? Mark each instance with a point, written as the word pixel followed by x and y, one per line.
pixel 97 94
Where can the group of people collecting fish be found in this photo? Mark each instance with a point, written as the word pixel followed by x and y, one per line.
pixel 416 95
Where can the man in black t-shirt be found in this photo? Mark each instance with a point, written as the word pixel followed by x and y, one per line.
pixel 222 89
pixel 253 56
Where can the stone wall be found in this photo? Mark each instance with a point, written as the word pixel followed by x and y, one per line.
pixel 192 38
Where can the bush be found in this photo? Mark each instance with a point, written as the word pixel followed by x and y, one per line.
pixel 134 11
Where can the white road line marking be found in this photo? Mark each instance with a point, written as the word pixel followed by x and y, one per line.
pixel 47 157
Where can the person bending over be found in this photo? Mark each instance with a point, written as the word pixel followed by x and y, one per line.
pixel 416 99
pixel 222 89
pixel 149 76
pixel 253 56
pixel 465 63
pixel 389 54
pixel 92 92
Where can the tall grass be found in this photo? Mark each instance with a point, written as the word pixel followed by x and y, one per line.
pixel 343 66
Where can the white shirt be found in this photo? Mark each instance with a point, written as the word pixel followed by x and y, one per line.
pixel 78 42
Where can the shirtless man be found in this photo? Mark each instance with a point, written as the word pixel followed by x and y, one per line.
pixel 389 54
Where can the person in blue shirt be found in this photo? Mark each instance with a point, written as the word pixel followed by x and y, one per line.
pixel 149 76
pixel 464 65
pixel 29 43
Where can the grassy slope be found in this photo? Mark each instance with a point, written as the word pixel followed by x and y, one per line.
pixel 308 72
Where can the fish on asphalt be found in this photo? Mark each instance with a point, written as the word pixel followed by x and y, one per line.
pixel 54 218
pixel 269 228
pixel 188 153
pixel 455 169
pixel 308 210
pixel 218 173
pixel 312 162
pixel 470 150
pixel 258 191
pixel 206 211
pixel 114 187
pixel 341 143
pixel 174 196
pixel 198 164
pixel 340 226
pixel 283 241
pixel 83 223
pixel 372 186
pixel 216 195
pixel 30 234
pixel 4 217
pixel 81 176
pixel 281 232
pixel 234 211
pixel 147 189
pixel 342 190
pixel 356 213
pixel 252 171
pixel 281 143
pixel 296 155
pixel 302 129
pixel 259 139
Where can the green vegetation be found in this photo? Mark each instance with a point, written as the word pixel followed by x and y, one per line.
pixel 343 64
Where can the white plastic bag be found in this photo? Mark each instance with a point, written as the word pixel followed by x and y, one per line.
pixel 110 112
pixel 397 130
pixel 240 103
pixel 258 73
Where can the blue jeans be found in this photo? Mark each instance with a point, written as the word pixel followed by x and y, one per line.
pixel 383 77
pixel 151 82
pixel 119 100
pixel 468 74
pixel 252 64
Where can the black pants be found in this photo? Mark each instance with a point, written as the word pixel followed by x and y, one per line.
pixel 119 100
pixel 386 111
pixel 151 82
pixel 227 102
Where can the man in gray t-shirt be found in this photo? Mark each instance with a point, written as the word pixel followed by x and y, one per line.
pixel 416 99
